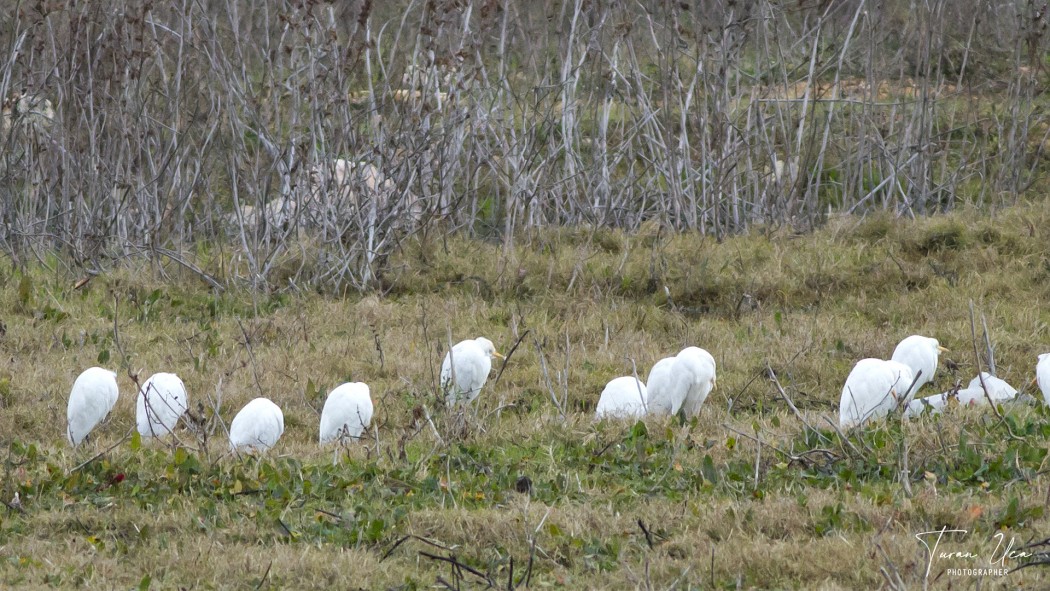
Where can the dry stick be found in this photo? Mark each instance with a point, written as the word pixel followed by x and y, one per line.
pixel 791 405
pixel 547 377
pixel 895 583
pixel 564 405
pixel 175 257
pixel 251 355
pixel 648 534
pixel 980 376
pixel 842 436
pixel 801 458
pixel 426 414
pixel 988 344
pixel 905 471
pixel 265 574
pixel 711 571
pixel 104 452
pixel 403 540
pixel 758 462
pixel 506 360
pixel 451 559
pixel 740 392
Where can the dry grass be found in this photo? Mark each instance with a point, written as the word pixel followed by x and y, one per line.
pixel 594 303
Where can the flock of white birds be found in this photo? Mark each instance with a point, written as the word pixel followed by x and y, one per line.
pixel 162 401
pixel 877 387
pixel 873 390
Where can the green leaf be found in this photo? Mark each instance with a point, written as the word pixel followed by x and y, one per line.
pixel 375 530
pixel 145 582
pixel 707 468
pixel 136 440
pixel 639 431
pixel 103 356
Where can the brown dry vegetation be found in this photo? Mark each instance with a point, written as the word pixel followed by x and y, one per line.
pixel 166 123
pixel 721 512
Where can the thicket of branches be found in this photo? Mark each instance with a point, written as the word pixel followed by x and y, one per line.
pixel 142 128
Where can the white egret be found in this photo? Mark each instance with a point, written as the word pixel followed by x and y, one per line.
pixel 466 368
pixel 998 389
pixel 622 398
pixel 972 395
pixel 920 354
pixel 347 412
pixel 935 404
pixel 257 427
pixel 873 389
pixel 1042 376
pixel 94 393
pixel 683 384
pixel 658 387
pixel 161 402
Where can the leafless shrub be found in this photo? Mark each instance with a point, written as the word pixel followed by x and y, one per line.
pixel 134 127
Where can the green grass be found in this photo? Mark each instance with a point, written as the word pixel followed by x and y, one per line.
pixel 721 511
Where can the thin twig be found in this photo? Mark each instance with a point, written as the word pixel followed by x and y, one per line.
pixel 791 405
pixel 104 452
pixel 506 359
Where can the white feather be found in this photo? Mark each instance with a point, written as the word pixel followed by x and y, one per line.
pixel 162 400
pixel 93 396
pixel 347 412
pixel 682 382
pixel 465 369
pixel 622 398
pixel 873 389
pixel 257 427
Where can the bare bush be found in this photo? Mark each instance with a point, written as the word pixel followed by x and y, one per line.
pixel 181 123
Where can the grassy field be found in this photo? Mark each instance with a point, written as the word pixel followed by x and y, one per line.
pixel 528 491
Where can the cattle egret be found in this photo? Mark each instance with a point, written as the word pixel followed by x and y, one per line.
pixel 94 393
pixel 920 354
pixel 466 368
pixel 257 427
pixel 998 389
pixel 347 412
pixel 873 389
pixel 622 398
pixel 972 395
pixel 683 384
pixel 1042 376
pixel 658 387
pixel 161 401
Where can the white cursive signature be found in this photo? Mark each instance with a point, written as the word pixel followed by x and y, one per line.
pixel 999 555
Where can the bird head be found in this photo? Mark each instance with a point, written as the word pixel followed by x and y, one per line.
pixel 489 348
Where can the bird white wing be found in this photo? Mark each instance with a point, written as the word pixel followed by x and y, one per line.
pixel 919 353
pixel 622 398
pixel 998 389
pixel 934 404
pixel 658 385
pixel 872 390
pixel 257 427
pixel 1042 376
pixel 162 400
pixel 464 372
pixel 92 397
pixel 972 395
pixel 699 366
pixel 347 412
